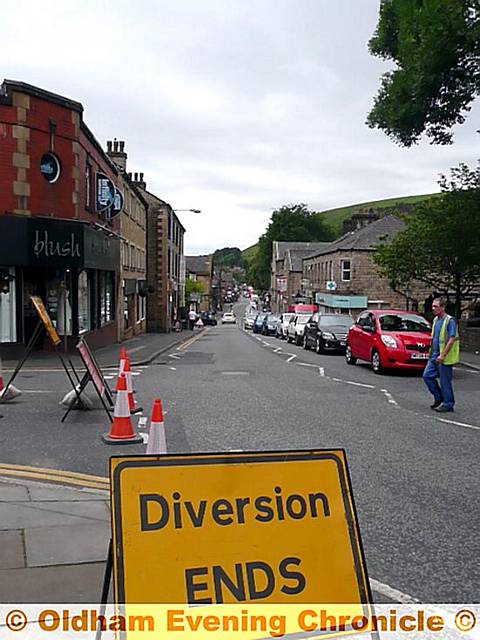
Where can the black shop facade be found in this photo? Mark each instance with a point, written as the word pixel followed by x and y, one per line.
pixel 72 266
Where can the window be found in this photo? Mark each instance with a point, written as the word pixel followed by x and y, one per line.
pixel 107 302
pixel 88 176
pixel 8 318
pixel 346 270
pixel 83 302
pixel 141 303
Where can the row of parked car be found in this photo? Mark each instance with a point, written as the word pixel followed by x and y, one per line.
pixel 388 339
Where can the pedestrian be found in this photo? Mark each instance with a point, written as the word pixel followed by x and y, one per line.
pixel 192 316
pixel 444 354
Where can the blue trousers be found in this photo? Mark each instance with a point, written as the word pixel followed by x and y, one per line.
pixel 442 392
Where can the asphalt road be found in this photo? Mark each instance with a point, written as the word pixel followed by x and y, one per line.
pixel 415 476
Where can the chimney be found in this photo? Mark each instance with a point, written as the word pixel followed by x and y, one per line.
pixel 116 153
pixel 139 181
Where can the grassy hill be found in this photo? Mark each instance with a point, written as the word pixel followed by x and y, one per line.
pixel 335 217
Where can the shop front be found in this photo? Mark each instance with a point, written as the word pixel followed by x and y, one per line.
pixel 329 303
pixel 73 267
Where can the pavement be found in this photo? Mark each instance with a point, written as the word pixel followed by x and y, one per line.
pixel 54 540
pixel 142 350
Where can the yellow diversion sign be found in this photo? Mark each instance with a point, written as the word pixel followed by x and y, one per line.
pixel 236 528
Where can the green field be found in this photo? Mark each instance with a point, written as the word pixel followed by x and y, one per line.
pixel 335 217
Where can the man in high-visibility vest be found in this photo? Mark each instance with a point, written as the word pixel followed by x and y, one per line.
pixel 444 354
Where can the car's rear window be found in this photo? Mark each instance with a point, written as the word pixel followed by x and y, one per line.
pixel 403 322
pixel 336 321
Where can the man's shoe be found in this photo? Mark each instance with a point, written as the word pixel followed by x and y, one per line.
pixel 442 409
pixel 436 404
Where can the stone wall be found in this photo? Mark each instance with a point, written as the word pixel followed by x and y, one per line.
pixel 469 337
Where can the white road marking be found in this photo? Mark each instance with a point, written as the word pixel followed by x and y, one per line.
pixel 292 356
pixel 356 384
pixel 174 356
pixel 321 371
pixel 277 350
pixel 145 437
pixel 142 422
pixel 306 364
pixel 136 373
pixel 458 424
pixel 235 373
pixel 393 594
pixel 235 450
pixel 389 397
pixel 109 377
pixel 172 369
pixel 36 391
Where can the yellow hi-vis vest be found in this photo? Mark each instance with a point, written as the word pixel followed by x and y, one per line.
pixel 453 355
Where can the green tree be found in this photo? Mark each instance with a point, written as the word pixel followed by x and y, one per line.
pixel 436 47
pixel 193 286
pixel 228 257
pixel 290 223
pixel 440 245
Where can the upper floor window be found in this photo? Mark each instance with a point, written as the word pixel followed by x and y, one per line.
pixel 88 178
pixel 346 269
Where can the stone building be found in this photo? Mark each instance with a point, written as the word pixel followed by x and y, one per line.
pixel 132 303
pixel 286 271
pixel 59 222
pixel 343 277
pixel 200 269
pixel 165 262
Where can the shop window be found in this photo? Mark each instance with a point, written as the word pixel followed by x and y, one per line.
pixel 141 306
pixel 84 315
pixel 346 270
pixel 8 317
pixel 59 300
pixel 107 301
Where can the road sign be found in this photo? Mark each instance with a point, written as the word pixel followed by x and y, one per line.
pixel 45 318
pixel 275 527
pixel 331 285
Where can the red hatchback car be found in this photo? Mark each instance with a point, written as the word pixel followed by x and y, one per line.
pixel 389 339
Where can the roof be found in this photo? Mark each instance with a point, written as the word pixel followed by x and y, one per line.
pixel 366 238
pixel 293 258
pixel 280 247
pixel 199 264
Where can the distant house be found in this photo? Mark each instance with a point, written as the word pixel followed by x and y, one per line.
pixel 286 271
pixel 343 276
pixel 200 269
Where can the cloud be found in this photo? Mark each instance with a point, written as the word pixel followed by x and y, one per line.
pixel 232 108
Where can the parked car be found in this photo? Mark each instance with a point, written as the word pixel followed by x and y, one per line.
pixel 258 322
pixel 248 320
pixel 327 332
pixel 228 318
pixel 389 339
pixel 296 328
pixel 269 326
pixel 208 318
pixel 282 325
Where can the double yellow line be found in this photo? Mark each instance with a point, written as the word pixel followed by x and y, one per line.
pixel 53 475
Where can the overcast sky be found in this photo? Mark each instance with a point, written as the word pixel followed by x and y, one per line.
pixel 234 107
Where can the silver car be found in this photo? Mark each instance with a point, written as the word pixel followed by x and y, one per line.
pixel 296 327
pixel 282 325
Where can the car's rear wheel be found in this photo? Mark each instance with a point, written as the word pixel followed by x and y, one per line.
pixel 349 357
pixel 377 362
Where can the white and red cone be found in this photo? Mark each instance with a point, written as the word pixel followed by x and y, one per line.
pixel 123 357
pixel 157 443
pixel 11 393
pixel 121 429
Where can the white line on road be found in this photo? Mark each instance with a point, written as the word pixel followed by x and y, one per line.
pixel 356 384
pixel 393 594
pixel 306 364
pixel 36 391
pixel 321 371
pixel 142 422
pixel 292 356
pixel 277 350
pixel 173 369
pixel 389 397
pixel 458 424
pixel 174 356
pixel 137 373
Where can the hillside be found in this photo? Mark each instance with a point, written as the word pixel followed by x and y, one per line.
pixel 335 217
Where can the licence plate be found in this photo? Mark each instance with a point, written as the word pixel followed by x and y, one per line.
pixel 419 356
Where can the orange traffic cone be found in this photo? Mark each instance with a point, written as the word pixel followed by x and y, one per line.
pixel 121 429
pixel 123 357
pixel 128 376
pixel 10 393
pixel 156 436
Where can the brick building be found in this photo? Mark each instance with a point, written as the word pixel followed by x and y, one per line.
pixel 343 277
pixel 165 262
pixel 132 303
pixel 200 269
pixel 59 223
